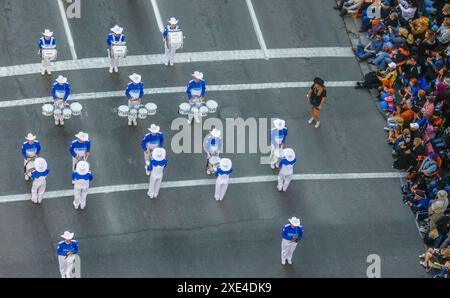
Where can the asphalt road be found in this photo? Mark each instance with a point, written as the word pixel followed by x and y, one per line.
pixel 185 233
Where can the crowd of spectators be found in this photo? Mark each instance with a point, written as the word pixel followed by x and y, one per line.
pixel 409 48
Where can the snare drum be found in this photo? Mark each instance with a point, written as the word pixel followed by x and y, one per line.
pixel 203 111
pixel 142 113
pixel 67 113
pixel 133 113
pixel 212 106
pixel 48 54
pixel 184 108
pixel 123 111
pixel 151 108
pixel 76 108
pixel 214 163
pixel 175 39
pixel 47 109
pixel 119 51
pixel 29 167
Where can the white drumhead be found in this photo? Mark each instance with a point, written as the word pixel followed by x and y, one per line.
pixel 142 113
pixel 76 107
pixel 67 113
pixel 151 107
pixel 47 109
pixel 211 104
pixel 203 110
pixel 133 112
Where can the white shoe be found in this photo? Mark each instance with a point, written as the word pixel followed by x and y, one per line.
pixel 49 72
pixel 82 207
pixel 166 63
pixel 61 122
pixel 39 201
pixel 272 166
pixel 155 195
pixel 27 177
pixel 43 71
pixel 284 190
pixel 189 121
pixel 290 262
pixel 129 122
pixel 283 262
pixel 110 70
pixel 135 122
pixel 217 199
pixel 75 206
pixel 63 276
pixel 208 172
pixel 310 121
pixel 279 188
pixel 317 124
pixel 171 63
pixel 150 195
pixel 116 69
pixel 423 264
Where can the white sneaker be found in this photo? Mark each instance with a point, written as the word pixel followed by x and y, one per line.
pixel 208 172
pixel 279 188
pixel 27 177
pixel 272 166
pixel 39 201
pixel 75 206
pixel 56 122
pixel 116 69
pixel 284 189
pixel 135 122
pixel 283 262
pixel 61 122
pixel 110 70
pixel 129 122
pixel 310 121
pixel 290 262
pixel 49 72
pixel 43 71
pixel 171 63
pixel 82 207
pixel 189 121
pixel 166 63
pixel 155 195
pixel 217 199
pixel 150 195
pixel 317 124
pixel 423 264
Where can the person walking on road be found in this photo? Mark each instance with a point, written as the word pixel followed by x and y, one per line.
pixel 80 149
pixel 291 235
pixel 156 169
pixel 39 176
pixel 47 41
pixel 65 249
pixel 316 96
pixel 135 94
pixel 152 140
pixel 287 163
pixel 80 179
pixel 223 178
pixel 114 38
pixel 278 136
pixel 60 93
pixel 170 50
pixel 30 151
pixel 212 146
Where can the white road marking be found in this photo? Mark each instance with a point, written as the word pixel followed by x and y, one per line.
pixel 67 30
pixel 203 182
pixel 168 90
pixel 190 57
pixel 258 31
pixel 157 15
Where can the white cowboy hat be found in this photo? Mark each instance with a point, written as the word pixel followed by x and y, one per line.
pixel 173 21
pixel 82 167
pixel 154 128
pixel 135 78
pixel 414 125
pixel 441 195
pixel 159 154
pixel 198 75
pixel 392 65
pixel 289 154
pixel 225 164
pixel 82 136
pixel 117 29
pixel 279 124
pixel 40 164
pixel 294 221
pixel 62 80
pixel 30 137
pixel 67 235
pixel 47 32
pixel 215 133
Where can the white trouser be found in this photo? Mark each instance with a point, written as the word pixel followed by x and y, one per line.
pixel 63 265
pixel 114 62
pixel 155 184
pixel 284 180
pixel 80 194
pixel 45 64
pixel 38 189
pixel 133 105
pixel 221 187
pixel 169 53
pixel 195 115
pixel 287 249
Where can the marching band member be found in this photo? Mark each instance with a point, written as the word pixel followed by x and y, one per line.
pixel 153 139
pixel 287 163
pixel 80 149
pixel 212 146
pixel 196 88
pixel 134 93
pixel 64 249
pixel 39 176
pixel 116 37
pixel 60 93
pixel 278 136
pixel 156 168
pixel 223 177
pixel 291 234
pixel 45 42
pixel 30 150
pixel 80 179
pixel 169 50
